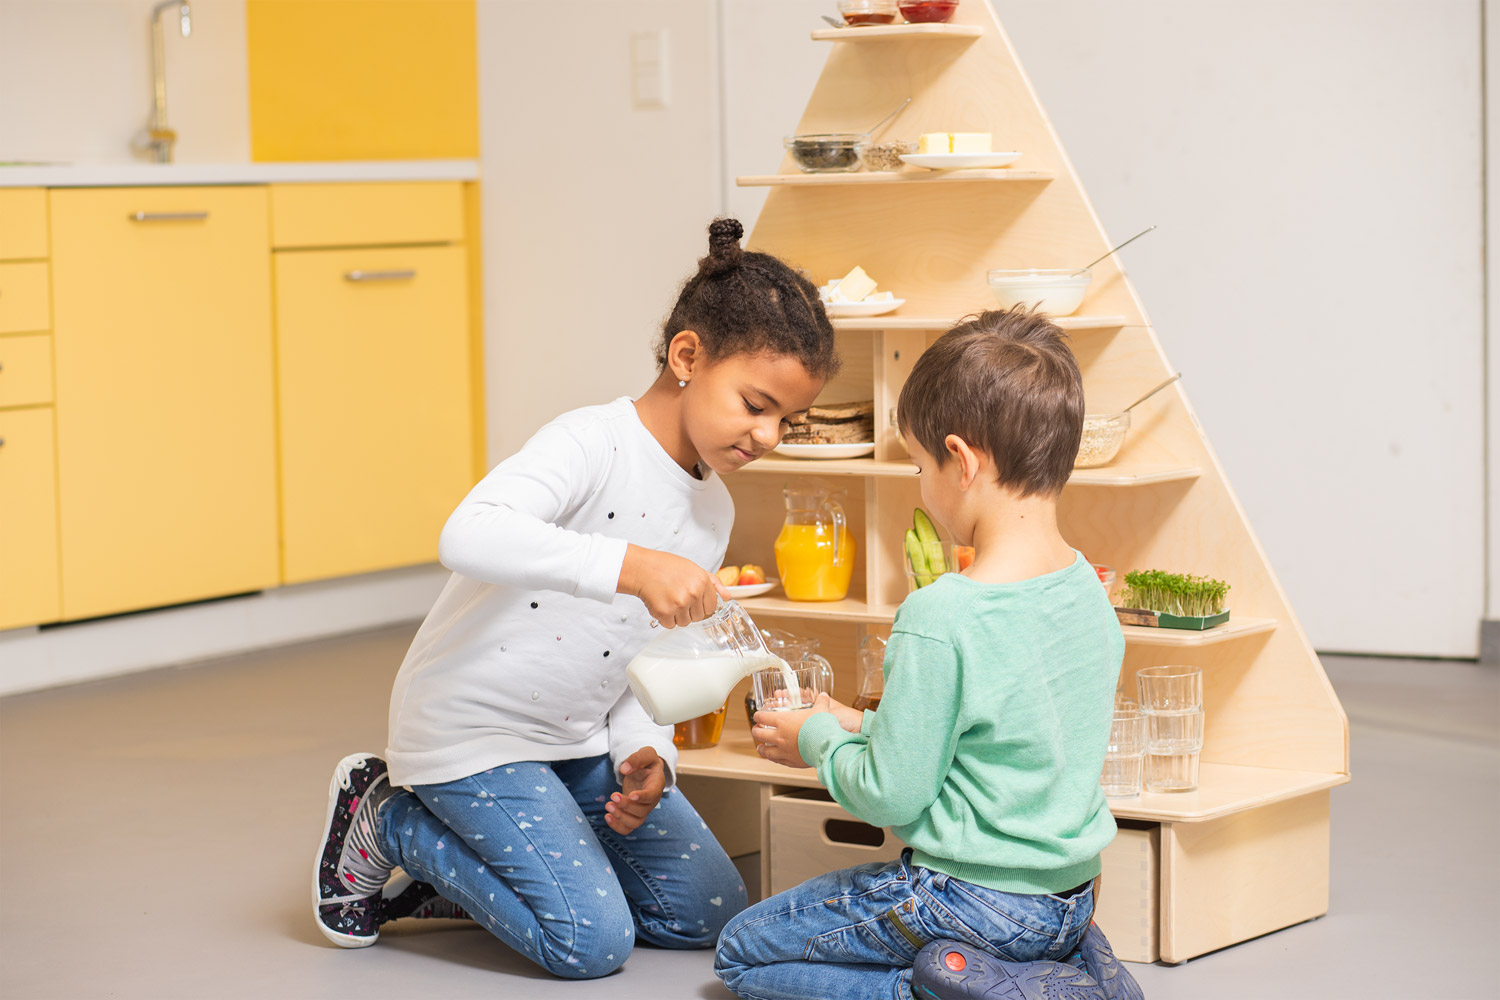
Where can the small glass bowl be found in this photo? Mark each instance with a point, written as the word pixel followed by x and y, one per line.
pixel 927 11
pixel 1056 291
pixel 1103 434
pixel 858 13
pixel 885 156
pixel 828 153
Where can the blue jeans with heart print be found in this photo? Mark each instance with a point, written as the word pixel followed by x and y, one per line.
pixel 525 850
pixel 853 934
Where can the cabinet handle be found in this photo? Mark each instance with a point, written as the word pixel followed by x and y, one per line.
pixel 167 216
pixel 403 275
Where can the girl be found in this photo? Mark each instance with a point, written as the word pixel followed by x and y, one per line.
pixel 538 796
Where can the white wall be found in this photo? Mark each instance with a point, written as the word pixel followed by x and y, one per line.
pixel 1314 167
pixel 75 80
pixel 595 212
pixel 1492 282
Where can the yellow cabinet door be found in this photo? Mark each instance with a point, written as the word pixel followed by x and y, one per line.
pixel 28 518
pixel 165 409
pixel 373 389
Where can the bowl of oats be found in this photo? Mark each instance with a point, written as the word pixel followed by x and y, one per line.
pixel 1103 434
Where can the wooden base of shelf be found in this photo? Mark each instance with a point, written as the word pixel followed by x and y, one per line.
pixel 1223 789
pixel 914 176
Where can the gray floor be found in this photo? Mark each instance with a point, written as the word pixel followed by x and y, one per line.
pixel 156 837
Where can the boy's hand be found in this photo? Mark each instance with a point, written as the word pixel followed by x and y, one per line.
pixel 850 719
pixel 643 777
pixel 675 590
pixel 775 733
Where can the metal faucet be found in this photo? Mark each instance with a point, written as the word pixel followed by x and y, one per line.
pixel 159 136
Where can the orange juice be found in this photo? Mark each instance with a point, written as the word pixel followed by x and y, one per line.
pixel 804 558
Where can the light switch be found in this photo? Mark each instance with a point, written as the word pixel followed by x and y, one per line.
pixel 648 68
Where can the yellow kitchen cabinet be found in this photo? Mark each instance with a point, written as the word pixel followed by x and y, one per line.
pixel 372 351
pixel 23 223
pixel 28 518
pixel 23 297
pixel 165 405
pixel 25 370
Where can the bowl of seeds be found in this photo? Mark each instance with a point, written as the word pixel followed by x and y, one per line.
pixel 827 153
pixel 885 156
pixel 1103 434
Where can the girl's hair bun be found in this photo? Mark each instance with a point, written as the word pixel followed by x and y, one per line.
pixel 724 249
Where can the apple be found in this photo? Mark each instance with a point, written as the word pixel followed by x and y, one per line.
pixel 751 574
pixel 729 575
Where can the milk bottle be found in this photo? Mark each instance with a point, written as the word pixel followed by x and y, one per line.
pixel 688 671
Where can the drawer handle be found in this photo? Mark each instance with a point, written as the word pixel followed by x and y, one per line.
pixel 405 274
pixel 168 216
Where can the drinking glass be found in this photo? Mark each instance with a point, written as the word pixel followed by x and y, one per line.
pixel 1123 755
pixel 1174 732
pixel 812 676
pixel 1171 772
pixel 1169 689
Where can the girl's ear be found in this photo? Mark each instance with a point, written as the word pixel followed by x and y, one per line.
pixel 684 353
pixel 969 460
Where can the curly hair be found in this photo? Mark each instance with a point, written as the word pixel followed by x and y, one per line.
pixel 742 302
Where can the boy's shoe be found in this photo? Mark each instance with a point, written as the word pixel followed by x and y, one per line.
pixel 1099 961
pixel 403 896
pixel 350 869
pixel 951 970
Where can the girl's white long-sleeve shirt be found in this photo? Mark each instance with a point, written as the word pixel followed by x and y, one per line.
pixel 523 656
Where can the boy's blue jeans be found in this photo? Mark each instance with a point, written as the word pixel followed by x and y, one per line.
pixel 525 849
pixel 855 933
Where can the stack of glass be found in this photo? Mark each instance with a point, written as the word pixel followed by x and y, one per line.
pixel 1171 699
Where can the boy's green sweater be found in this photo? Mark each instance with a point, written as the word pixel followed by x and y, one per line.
pixel 985 753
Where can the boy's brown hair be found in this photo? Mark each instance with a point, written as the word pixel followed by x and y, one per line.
pixel 1006 382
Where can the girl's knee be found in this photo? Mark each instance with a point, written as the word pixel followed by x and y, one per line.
pixel 588 944
pixel 585 965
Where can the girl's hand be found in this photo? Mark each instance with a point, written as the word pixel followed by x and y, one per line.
pixel 675 590
pixel 643 777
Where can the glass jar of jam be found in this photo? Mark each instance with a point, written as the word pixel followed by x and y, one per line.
pixel 866 12
pixel 928 11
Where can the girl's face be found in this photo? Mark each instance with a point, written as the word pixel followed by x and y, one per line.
pixel 734 410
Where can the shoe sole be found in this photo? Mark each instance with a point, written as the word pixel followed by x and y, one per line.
pixel 334 788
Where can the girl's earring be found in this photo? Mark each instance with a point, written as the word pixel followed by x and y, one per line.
pixel 682 383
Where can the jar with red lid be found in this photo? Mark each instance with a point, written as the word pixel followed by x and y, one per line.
pixel 927 11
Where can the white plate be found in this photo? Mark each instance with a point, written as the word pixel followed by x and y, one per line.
pixel 826 451
pixel 752 589
pixel 954 161
pixel 837 310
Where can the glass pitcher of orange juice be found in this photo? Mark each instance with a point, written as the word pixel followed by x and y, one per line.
pixel 815 551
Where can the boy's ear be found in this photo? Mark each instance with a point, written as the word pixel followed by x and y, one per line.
pixel 969 459
pixel 684 352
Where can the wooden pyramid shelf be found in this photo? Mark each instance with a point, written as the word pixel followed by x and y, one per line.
pixel 1248 852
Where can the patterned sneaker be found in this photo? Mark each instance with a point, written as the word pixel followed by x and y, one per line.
pixel 950 970
pixel 350 869
pixel 403 896
pixel 1099 961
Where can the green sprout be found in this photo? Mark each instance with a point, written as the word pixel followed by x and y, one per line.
pixel 1173 593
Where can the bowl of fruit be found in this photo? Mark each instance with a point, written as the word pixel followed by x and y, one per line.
pixel 745 581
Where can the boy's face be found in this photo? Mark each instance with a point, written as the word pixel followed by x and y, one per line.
pixel 735 409
pixel 942 496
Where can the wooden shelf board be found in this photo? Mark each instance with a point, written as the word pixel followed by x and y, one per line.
pixel 1235 628
pixel 888 32
pixel 933 323
pixel 1123 474
pixel 1223 789
pixel 884 614
pixel 914 176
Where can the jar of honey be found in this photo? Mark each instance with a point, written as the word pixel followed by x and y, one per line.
pixel 815 550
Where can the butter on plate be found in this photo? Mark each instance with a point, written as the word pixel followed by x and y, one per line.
pixel 953 142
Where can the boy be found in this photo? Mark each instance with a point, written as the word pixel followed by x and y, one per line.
pixel 986 750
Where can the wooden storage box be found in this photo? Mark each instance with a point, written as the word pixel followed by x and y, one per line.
pixel 1129 902
pixel 811 834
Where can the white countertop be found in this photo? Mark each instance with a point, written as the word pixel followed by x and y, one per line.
pixel 145 174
